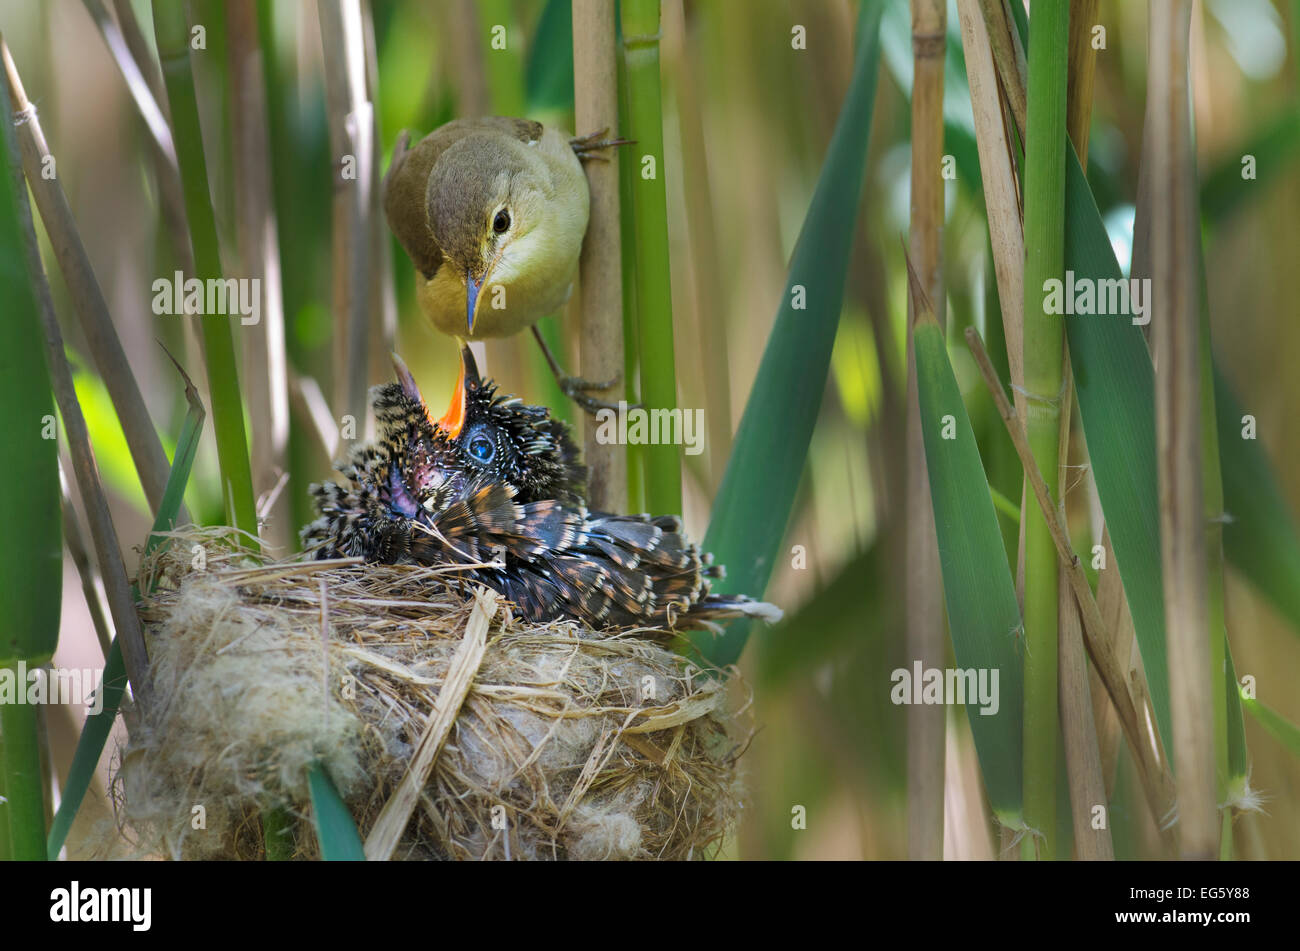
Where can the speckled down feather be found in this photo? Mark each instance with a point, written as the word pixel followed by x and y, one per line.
pixel 503 498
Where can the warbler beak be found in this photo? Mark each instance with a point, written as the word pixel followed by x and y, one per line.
pixel 472 287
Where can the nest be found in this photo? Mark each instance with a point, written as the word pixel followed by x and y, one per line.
pixel 451 729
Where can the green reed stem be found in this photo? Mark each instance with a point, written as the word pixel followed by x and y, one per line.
pixel 31 554
pixel 628 170
pixel 654 311
pixel 1044 334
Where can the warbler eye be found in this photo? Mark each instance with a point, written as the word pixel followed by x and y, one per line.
pixel 482 449
pixel 501 223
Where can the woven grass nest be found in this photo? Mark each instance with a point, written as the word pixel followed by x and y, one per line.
pixel 538 741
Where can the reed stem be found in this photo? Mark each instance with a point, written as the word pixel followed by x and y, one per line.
pixel 6 845
pixel 627 184
pixel 87 296
pixel 663 469
pixel 1127 688
pixel 1087 786
pixel 1043 347
pixel 1175 291
pixel 25 804
pixel 595 86
pixel 706 270
pixel 259 252
pixel 31 556
pixel 352 134
pixel 1001 190
pixel 925 624
pixel 107 550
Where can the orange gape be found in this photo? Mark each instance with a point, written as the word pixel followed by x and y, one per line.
pixel 454 419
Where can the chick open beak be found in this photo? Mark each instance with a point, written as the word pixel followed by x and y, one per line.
pixel 409 387
pixel 468 379
pixel 454 419
pixel 404 377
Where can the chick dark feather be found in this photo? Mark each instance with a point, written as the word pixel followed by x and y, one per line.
pixel 499 491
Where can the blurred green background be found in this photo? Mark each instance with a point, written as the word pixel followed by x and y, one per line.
pixel 747 120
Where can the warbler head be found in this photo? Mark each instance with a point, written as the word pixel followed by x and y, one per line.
pixel 486 202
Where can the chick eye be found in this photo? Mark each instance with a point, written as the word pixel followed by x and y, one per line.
pixel 482 449
pixel 501 223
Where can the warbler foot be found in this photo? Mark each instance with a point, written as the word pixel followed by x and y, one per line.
pixel 589 147
pixel 575 387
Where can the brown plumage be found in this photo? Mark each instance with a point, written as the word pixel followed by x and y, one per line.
pixel 493 212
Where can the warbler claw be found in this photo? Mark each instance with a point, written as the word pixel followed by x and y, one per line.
pixel 589 146
pixel 575 389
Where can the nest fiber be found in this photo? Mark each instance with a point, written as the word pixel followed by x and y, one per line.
pixel 451 729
